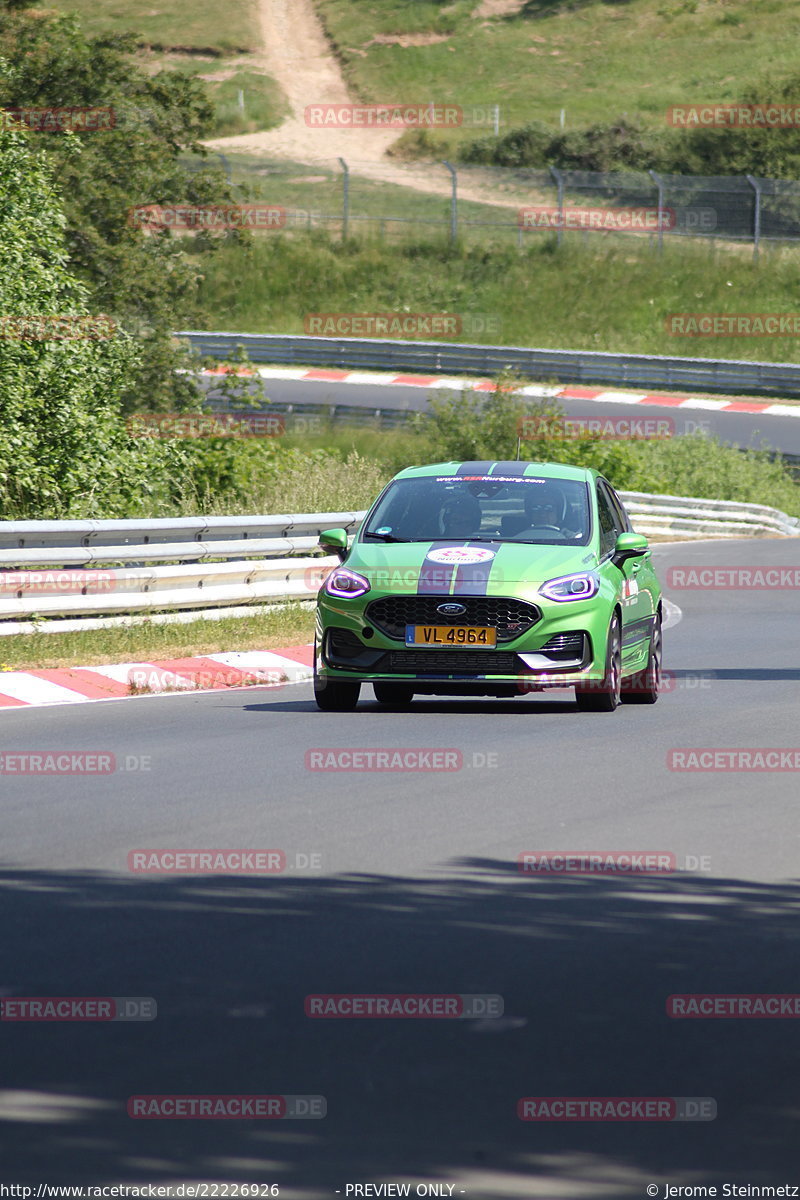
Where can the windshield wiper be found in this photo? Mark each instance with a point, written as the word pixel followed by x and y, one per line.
pixel 385 537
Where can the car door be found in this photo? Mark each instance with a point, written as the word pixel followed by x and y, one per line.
pixel 635 601
pixel 646 578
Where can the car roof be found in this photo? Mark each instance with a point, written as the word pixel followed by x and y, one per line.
pixel 498 467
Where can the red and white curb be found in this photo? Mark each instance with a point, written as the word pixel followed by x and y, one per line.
pixel 117 681
pixel 570 392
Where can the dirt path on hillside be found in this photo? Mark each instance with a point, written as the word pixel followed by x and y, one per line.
pixel 298 57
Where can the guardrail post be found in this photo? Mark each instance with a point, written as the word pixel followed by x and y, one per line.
pixel 559 178
pixel 453 200
pixel 658 181
pixel 756 186
pixel 345 197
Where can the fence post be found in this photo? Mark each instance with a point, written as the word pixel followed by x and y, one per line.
pixel 496 119
pixel 559 178
pixel 225 164
pixel 453 200
pixel 345 197
pixel 658 181
pixel 756 186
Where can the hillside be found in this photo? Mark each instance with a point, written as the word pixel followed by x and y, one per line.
pixel 596 59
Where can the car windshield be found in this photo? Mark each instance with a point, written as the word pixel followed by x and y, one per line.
pixel 534 510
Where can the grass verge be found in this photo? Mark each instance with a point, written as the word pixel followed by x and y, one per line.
pixel 585 295
pixel 288 626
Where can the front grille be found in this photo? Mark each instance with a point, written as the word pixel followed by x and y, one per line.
pixel 565 646
pixel 457 662
pixel 510 618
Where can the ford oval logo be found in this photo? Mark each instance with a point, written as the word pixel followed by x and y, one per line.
pixel 452 610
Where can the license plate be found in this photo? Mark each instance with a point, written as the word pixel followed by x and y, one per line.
pixel 442 636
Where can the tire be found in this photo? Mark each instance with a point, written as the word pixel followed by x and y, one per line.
pixel 393 693
pixel 644 687
pixel 605 695
pixel 335 695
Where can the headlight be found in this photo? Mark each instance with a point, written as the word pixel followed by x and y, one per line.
pixel 342 582
pixel 571 587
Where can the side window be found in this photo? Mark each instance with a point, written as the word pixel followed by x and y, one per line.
pixel 621 517
pixel 608 522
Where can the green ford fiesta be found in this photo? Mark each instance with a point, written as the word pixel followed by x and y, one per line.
pixel 490 579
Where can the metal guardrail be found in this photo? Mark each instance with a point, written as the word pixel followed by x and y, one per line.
pixel 148 533
pixel 100 596
pixel 453 358
pixel 651 514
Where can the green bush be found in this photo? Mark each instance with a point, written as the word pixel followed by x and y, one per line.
pixel 469 427
pixel 627 144
pixel 64 448
pixel 623 145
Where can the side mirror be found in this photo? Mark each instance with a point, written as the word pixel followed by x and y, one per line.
pixel 629 545
pixel 334 541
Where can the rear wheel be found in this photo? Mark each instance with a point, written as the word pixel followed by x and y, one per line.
pixel 604 695
pixel 645 685
pixel 393 693
pixel 336 695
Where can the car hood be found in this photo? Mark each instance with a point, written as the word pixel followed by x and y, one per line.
pixel 463 566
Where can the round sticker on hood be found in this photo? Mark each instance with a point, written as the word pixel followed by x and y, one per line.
pixel 458 556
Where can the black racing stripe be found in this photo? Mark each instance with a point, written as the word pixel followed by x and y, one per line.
pixel 637 630
pixel 509 468
pixel 472 579
pixel 434 578
pixel 475 468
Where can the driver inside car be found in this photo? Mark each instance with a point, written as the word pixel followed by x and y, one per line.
pixel 461 517
pixel 545 508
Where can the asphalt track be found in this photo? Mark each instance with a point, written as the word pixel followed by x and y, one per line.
pixel 417 890
pixel 740 429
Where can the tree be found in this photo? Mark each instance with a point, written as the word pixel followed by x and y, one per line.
pixel 149 284
pixel 65 450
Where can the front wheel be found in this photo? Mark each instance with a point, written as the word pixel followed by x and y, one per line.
pixel 604 695
pixel 645 685
pixel 336 695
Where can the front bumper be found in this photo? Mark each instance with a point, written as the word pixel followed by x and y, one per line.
pixel 566 646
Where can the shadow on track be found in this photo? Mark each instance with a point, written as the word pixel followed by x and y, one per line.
pixel 584 965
